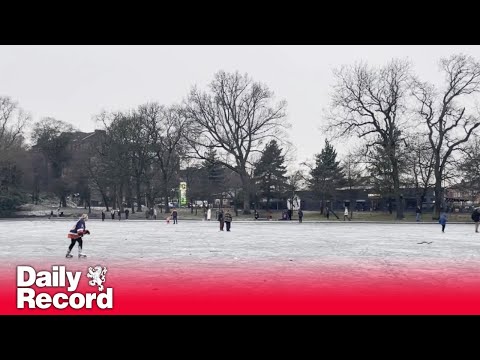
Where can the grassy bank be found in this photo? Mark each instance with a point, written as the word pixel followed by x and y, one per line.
pixel 38 211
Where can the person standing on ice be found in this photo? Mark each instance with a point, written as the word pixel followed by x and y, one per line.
pixel 443 220
pixel 76 235
pixel 476 218
pixel 221 219
pixel 175 216
pixel 228 219
pixel 209 214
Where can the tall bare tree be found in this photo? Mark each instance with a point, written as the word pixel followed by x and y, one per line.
pixel 449 123
pixel 370 103
pixel 13 121
pixel 419 161
pixel 470 167
pixel 168 126
pixel 53 137
pixel 237 118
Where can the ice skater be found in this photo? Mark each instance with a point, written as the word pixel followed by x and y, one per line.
pixel 76 235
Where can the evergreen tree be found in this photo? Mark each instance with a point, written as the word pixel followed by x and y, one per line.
pixel 215 172
pixel 327 174
pixel 270 172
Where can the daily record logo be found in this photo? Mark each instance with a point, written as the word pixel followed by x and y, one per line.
pixel 60 278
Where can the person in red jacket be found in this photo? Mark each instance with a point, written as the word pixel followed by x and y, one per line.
pixel 76 235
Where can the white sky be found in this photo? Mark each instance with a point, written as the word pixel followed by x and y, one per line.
pixel 74 83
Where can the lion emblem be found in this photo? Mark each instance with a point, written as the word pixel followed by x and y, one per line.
pixel 97 274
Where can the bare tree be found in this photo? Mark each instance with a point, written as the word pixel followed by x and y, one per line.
pixel 117 152
pixel 236 118
pixel 469 167
pixel 168 127
pixel 53 137
pixel 370 103
pixel 448 122
pixel 420 166
pixel 13 121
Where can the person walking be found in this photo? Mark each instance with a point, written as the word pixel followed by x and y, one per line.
pixel 418 212
pixel 443 220
pixel 228 219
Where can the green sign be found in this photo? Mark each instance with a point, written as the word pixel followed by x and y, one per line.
pixel 183 194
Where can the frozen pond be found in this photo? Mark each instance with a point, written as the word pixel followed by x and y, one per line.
pixel 283 251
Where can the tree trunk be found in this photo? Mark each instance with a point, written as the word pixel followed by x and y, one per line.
pixel 246 193
pixel 130 195
pixel 139 195
pixel 396 189
pixel 105 200
pixel 120 197
pixel 438 198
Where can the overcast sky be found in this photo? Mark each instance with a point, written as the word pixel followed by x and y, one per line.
pixel 74 83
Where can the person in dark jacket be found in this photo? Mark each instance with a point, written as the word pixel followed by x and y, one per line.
pixel 228 219
pixel 418 212
pixel 103 215
pixel 175 216
pixel 476 218
pixel 300 215
pixel 221 219
pixel 443 220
